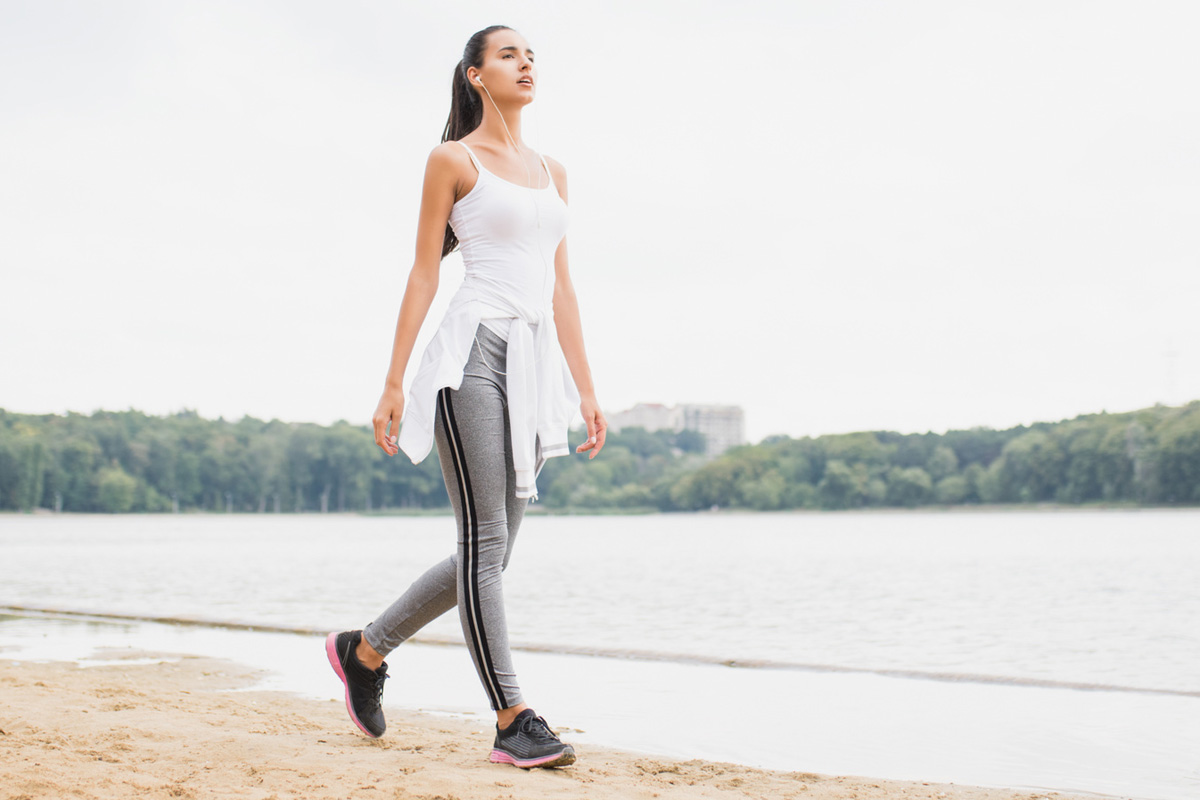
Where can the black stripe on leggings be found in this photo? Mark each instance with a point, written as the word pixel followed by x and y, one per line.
pixel 470 565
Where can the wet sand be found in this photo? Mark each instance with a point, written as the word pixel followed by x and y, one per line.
pixel 178 729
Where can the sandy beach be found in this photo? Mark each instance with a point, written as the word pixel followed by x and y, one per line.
pixel 178 729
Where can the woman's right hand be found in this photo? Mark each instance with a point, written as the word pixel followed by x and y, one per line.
pixel 389 412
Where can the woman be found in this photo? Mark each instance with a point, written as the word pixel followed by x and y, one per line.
pixel 496 387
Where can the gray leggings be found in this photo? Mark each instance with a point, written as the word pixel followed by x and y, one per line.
pixel 474 445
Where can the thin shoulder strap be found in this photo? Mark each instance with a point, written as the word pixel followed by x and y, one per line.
pixel 549 174
pixel 471 153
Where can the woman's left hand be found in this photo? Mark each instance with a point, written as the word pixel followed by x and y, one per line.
pixel 596 427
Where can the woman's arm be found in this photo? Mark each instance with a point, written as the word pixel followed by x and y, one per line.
pixel 437 199
pixel 570 336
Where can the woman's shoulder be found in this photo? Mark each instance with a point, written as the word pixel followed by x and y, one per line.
pixel 556 167
pixel 448 152
pixel 449 162
pixel 559 173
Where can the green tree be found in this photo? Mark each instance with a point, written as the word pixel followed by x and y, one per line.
pixel 1081 481
pixel 1179 458
pixel 115 489
pixel 767 493
pixel 10 473
pixel 862 448
pixel 990 483
pixel 841 487
pixel 909 486
pixel 952 490
pixel 800 495
pixel 35 473
pixel 941 463
pixel 1139 447
pixel 711 485
pixel 690 441
pixel 348 453
pixel 1114 468
pixel 1032 467
pixel 85 463
pixel 77 463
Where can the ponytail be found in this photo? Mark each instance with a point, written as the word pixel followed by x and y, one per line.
pixel 466 107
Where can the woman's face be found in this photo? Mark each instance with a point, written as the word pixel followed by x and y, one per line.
pixel 508 71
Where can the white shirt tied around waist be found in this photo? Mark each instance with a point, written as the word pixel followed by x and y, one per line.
pixel 542 398
pixel 508 235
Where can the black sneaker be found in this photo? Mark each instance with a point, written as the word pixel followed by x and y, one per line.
pixel 364 687
pixel 529 742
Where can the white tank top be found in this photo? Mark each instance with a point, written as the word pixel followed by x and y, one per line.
pixel 507 235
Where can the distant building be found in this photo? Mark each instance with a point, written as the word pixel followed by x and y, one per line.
pixel 651 416
pixel 723 426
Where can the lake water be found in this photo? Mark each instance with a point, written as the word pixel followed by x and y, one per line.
pixel 1036 649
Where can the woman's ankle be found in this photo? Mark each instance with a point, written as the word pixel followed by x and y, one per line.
pixel 368 656
pixel 505 716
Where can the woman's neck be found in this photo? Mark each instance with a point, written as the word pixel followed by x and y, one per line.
pixel 493 126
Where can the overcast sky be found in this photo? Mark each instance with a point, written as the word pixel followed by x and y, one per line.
pixel 839 215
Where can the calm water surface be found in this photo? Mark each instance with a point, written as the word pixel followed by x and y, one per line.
pixel 1106 598
pixel 1004 611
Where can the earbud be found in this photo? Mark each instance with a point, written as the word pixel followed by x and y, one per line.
pixel 479 80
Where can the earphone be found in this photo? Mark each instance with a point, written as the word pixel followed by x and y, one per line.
pixel 528 174
pixel 547 270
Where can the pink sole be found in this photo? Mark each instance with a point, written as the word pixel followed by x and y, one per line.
pixel 336 663
pixel 501 757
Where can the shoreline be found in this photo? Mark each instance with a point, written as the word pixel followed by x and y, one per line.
pixel 640 511
pixel 430 640
pixel 191 726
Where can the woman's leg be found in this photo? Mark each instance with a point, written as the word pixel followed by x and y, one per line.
pixel 429 596
pixel 488 514
pixel 436 591
pixel 473 445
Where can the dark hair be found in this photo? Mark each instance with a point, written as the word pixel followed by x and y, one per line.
pixel 466 108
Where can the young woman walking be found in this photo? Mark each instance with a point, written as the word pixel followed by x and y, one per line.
pixel 495 390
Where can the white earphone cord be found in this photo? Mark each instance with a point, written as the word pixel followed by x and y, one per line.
pixel 537 211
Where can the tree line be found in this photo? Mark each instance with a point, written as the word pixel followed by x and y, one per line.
pixel 122 461
pixel 1148 457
